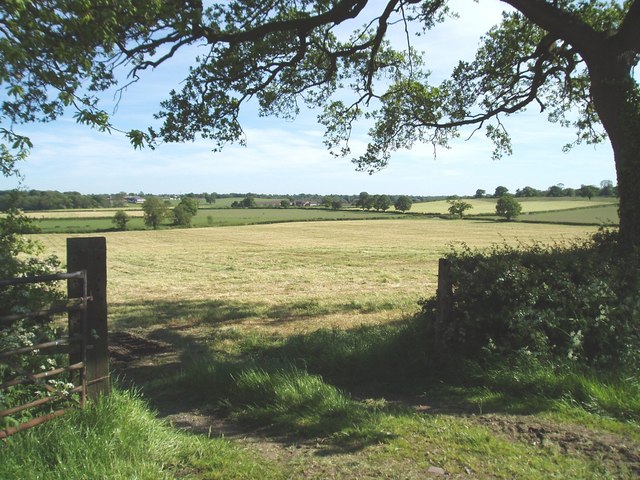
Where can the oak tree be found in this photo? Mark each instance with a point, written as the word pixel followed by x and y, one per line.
pixel 155 211
pixel 572 59
pixel 403 203
pixel 457 207
pixel 508 206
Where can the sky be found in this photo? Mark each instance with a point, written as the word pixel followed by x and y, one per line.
pixel 289 157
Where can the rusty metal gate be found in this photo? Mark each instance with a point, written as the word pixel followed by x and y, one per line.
pixel 85 344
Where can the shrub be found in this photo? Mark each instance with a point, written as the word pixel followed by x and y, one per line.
pixel 121 219
pixel 19 258
pixel 577 301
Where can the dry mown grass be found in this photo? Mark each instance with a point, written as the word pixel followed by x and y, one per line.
pixel 483 206
pixel 291 277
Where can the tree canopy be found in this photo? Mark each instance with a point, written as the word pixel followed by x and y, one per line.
pixel 573 60
pixel 508 207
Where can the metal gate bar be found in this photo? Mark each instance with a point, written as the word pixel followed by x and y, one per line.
pixel 25 378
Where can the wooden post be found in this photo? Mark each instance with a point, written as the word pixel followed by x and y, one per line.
pixel 444 298
pixel 90 254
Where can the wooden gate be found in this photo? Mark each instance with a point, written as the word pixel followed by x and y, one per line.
pixel 85 344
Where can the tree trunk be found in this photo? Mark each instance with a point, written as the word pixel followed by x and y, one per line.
pixel 616 97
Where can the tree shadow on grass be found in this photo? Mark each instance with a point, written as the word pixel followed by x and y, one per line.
pixel 225 312
pixel 298 388
pixel 262 388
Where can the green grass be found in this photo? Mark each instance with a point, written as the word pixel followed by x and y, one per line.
pixel 120 438
pixel 304 337
pixel 332 384
pixel 595 215
pixel 597 211
pixel 206 217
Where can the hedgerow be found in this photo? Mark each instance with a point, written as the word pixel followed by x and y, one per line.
pixel 577 301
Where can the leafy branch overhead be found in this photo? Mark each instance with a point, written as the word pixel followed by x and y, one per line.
pixel 571 59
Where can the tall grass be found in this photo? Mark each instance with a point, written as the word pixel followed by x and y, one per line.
pixel 119 438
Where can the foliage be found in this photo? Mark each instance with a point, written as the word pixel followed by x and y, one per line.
pixel 364 201
pixel 458 207
pixel 381 202
pixel 247 202
pixel 508 207
pixel 588 191
pixel 155 211
pixel 574 59
pixel 480 193
pixel 184 212
pixel 50 200
pixel 500 191
pixel 577 302
pixel 403 203
pixel 121 219
pixel 209 197
pixel 20 257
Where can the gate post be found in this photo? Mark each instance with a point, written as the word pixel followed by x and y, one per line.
pixel 444 298
pixel 90 254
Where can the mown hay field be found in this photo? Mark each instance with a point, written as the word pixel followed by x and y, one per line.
pixel 486 206
pixel 291 277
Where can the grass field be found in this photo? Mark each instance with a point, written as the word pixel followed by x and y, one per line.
pixel 484 206
pixel 285 339
pixel 312 275
pixel 100 220
pixel 601 214
pixel 599 211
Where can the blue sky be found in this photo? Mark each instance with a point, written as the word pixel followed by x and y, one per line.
pixel 289 157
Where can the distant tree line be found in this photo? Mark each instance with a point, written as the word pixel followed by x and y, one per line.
pixel 54 200
pixel 606 189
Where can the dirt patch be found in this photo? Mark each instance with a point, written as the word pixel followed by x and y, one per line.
pixel 126 349
pixel 570 439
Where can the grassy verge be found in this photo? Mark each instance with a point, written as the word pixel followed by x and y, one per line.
pixel 331 387
pixel 120 438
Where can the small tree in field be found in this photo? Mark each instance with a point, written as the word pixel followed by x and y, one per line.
pixel 403 203
pixel 458 207
pixel 184 212
pixel 381 202
pixel 365 201
pixel 155 211
pixel 120 219
pixel 248 202
pixel 508 207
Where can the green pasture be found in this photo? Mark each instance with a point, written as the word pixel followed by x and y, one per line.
pixel 598 211
pixel 100 221
pixel 606 214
